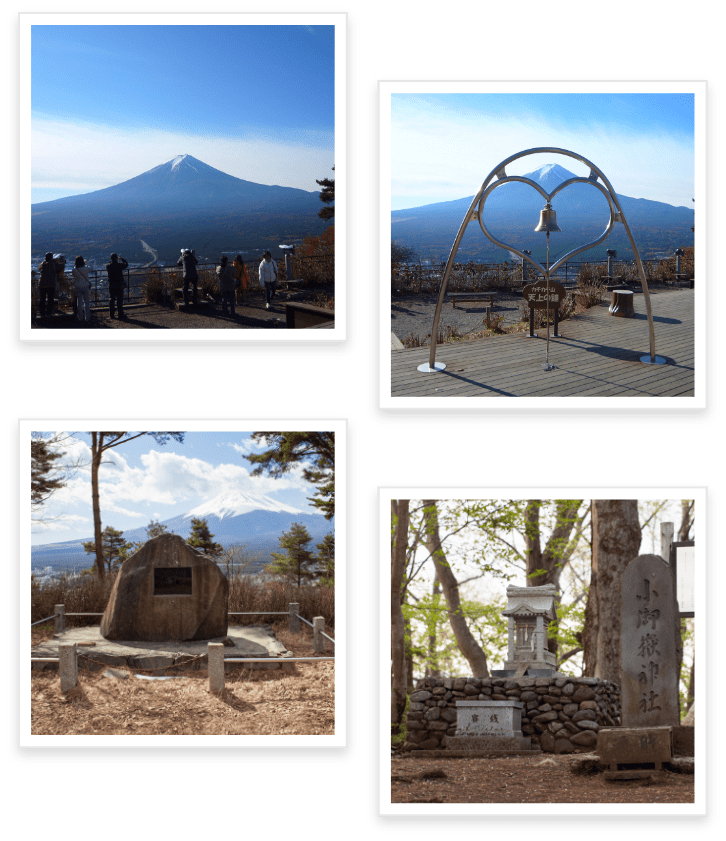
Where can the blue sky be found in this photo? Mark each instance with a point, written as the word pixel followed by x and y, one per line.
pixel 142 480
pixel 443 145
pixel 111 102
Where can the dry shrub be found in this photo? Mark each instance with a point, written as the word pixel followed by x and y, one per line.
pixel 80 594
pixel 322 300
pixel 246 595
pixel 566 310
pixel 591 282
pixel 158 287
pixel 464 277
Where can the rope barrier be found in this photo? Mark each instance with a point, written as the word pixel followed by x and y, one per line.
pixel 304 620
pixel 139 669
pixel 327 637
pixel 43 620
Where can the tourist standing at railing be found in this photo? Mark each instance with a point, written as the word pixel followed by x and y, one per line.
pixel 46 285
pixel 116 284
pixel 227 279
pixel 83 287
pixel 268 277
pixel 189 261
pixel 242 278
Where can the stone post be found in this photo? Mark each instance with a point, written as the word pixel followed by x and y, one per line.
pixel 60 618
pixel 294 609
pixel 318 638
pixel 539 639
pixel 666 539
pixel 67 666
pixel 511 640
pixel 216 666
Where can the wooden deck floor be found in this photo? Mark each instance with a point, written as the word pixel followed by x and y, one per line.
pixel 597 356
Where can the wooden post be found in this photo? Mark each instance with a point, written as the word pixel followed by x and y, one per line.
pixel 318 638
pixel 294 609
pixel 666 539
pixel 60 618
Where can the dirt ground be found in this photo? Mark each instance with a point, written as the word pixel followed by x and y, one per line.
pixel 544 778
pixel 297 700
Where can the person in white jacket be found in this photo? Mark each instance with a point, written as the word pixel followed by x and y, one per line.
pixel 83 287
pixel 268 277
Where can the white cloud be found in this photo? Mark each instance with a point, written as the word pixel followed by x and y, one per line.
pixel 446 154
pixel 84 157
pixel 63 522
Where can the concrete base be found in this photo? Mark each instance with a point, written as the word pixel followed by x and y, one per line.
pixel 530 673
pixel 489 743
pixel 95 652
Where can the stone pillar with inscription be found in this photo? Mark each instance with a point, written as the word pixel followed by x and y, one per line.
pixel 649 679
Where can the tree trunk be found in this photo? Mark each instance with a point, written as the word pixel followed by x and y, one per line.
pixel 545 567
pixel 399 545
pixel 684 531
pixel 468 646
pixel 616 541
pixel 432 667
pixel 96 454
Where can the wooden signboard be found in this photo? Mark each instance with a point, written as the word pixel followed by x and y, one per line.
pixel 682 562
pixel 535 294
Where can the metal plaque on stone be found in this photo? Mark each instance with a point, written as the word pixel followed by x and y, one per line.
pixel 649 680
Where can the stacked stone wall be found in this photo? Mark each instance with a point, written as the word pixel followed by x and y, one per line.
pixel 561 714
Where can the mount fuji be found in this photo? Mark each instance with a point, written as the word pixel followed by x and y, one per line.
pixel 183 202
pixel 255 520
pixel 511 213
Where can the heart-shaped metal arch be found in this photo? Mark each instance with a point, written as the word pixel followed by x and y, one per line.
pixel 548 198
pixel 616 215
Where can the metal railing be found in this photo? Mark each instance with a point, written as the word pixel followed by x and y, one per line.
pixel 138 278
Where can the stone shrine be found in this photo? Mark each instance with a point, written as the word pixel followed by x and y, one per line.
pixel 167 592
pixel 529 611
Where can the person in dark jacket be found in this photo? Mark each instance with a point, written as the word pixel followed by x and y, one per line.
pixel 227 283
pixel 46 285
pixel 116 284
pixel 189 262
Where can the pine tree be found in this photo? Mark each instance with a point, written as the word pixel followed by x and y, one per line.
pixel 296 562
pixel 326 560
pixel 154 529
pixel 316 452
pixel 115 548
pixel 327 196
pixel 202 539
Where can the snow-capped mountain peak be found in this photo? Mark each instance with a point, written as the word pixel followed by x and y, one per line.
pixel 177 160
pixel 235 503
pixel 550 175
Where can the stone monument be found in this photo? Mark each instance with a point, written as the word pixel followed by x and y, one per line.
pixel 167 592
pixel 648 669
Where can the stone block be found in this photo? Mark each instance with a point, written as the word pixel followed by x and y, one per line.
pixel 544 708
pixel 586 724
pixel 486 743
pixel 570 709
pixel 485 718
pixel 545 717
pixel 683 741
pixel 216 666
pixel 591 705
pixel 585 738
pixel 634 745
pixel 167 591
pixel 563 746
pixel 585 715
pixel 568 689
pixel 420 695
pixel 528 696
pixel 547 742
pixel 432 714
pixel 583 693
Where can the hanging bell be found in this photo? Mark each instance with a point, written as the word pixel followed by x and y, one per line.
pixel 548 220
